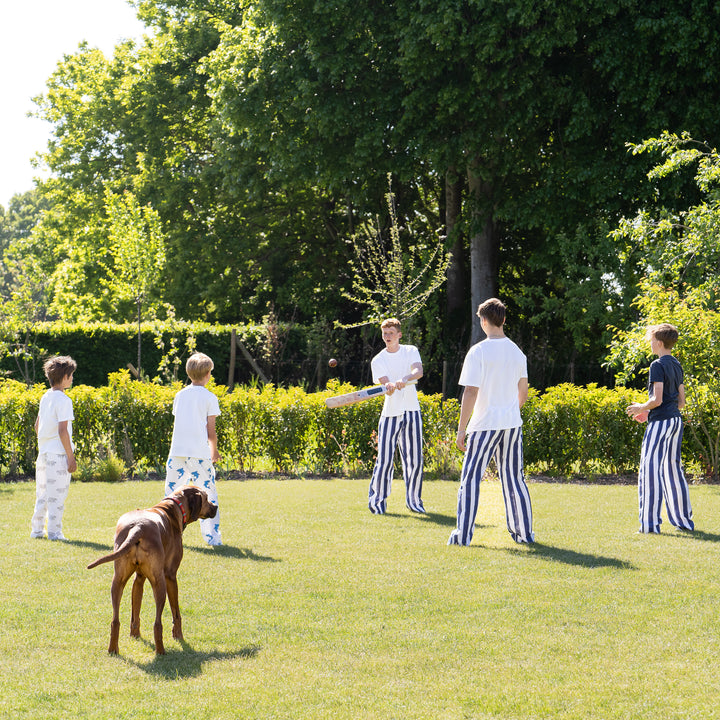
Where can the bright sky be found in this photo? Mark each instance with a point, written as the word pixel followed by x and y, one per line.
pixel 34 36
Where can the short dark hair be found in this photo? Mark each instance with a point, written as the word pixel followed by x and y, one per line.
pixel 493 311
pixel 666 333
pixel 58 368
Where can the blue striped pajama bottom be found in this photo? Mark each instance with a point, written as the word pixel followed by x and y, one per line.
pixel 661 477
pixel 403 432
pixel 506 447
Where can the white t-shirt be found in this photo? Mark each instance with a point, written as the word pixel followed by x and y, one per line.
pixel 495 366
pixel 396 366
pixel 55 407
pixel 191 407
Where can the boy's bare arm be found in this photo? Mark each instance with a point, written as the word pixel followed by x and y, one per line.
pixel 523 389
pixel 655 400
pixel 466 409
pixel 64 436
pixel 681 397
pixel 212 439
pixel 416 372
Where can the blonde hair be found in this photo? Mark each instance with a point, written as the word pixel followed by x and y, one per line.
pixel 58 368
pixel 666 333
pixel 390 322
pixel 198 365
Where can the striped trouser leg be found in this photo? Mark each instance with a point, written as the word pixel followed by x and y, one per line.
pixel 411 455
pixel 381 480
pixel 518 509
pixel 478 452
pixel 649 487
pixel 674 485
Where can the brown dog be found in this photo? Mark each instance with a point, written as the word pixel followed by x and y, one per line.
pixel 149 544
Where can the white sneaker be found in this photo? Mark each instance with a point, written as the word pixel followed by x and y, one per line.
pixel 37 534
pixel 59 536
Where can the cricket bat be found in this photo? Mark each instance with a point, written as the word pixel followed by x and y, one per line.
pixel 358 396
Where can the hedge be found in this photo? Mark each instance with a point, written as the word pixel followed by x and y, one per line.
pixel 568 430
pixel 285 353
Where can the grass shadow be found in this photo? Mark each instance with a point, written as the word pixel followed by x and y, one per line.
pixel 564 555
pixel 429 517
pixel 700 535
pixel 104 548
pixel 442 520
pixel 183 663
pixel 229 551
pixel 579 559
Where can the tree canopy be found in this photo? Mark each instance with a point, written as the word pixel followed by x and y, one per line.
pixel 262 135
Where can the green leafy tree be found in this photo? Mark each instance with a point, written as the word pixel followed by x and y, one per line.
pixel 138 251
pixel 679 251
pixel 389 281
pixel 261 133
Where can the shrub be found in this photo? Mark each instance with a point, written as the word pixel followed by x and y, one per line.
pixel 128 425
pixel 582 430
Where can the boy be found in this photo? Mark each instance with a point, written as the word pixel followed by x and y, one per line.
pixel 194 441
pixel 661 472
pixel 56 457
pixel 494 375
pixel 400 420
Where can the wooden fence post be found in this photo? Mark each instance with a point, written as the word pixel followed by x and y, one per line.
pixel 231 370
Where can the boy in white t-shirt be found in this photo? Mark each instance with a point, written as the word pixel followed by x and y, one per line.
pixel 194 440
pixel 400 421
pixel 56 456
pixel 495 378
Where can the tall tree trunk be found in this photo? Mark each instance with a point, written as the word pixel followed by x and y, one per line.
pixel 139 317
pixel 457 300
pixel 483 248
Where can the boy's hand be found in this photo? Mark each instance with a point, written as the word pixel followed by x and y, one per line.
pixel 71 465
pixel 460 440
pixel 637 412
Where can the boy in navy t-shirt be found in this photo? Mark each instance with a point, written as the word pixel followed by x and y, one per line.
pixel 661 474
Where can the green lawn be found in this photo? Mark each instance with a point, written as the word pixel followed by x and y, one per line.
pixel 315 608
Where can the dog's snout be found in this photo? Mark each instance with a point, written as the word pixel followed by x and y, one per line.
pixel 213 510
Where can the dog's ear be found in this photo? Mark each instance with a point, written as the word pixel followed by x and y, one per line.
pixel 195 503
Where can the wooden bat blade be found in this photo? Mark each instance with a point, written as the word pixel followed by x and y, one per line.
pixel 353 397
pixel 358 395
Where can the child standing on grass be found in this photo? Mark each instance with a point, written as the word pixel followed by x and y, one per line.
pixel 56 457
pixel 194 441
pixel 495 379
pixel 661 473
pixel 400 423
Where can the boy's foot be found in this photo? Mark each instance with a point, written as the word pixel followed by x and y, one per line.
pixel 37 535
pixel 59 536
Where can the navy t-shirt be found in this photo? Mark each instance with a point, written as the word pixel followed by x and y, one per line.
pixel 669 372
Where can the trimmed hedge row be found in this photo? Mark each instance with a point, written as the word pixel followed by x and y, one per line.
pixel 283 351
pixel 567 430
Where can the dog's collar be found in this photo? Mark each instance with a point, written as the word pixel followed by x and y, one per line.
pixel 182 510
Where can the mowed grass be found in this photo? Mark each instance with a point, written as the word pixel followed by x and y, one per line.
pixel 314 608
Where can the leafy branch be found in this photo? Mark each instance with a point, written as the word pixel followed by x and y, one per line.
pixel 391 282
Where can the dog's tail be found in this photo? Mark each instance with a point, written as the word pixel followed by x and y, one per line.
pixel 132 539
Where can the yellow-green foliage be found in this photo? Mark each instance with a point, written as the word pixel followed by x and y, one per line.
pixel 581 429
pixel 567 430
